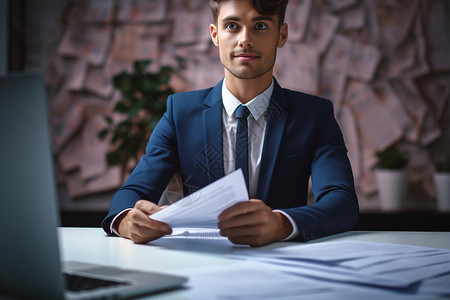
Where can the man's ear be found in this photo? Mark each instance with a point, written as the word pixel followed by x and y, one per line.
pixel 283 35
pixel 213 33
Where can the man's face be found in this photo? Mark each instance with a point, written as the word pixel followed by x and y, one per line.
pixel 247 41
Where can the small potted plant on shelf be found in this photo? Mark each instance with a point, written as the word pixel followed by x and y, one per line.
pixel 442 184
pixel 392 177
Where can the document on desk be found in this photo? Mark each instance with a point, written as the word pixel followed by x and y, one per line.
pixel 254 280
pixel 202 208
pixel 377 264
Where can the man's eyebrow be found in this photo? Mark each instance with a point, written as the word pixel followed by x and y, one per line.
pixel 228 19
pixel 263 18
pixel 255 19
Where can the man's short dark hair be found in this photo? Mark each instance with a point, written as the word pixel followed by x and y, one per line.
pixel 263 7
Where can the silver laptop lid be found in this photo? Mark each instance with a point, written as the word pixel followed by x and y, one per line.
pixel 29 256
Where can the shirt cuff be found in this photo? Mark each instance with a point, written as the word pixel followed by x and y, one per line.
pixel 113 227
pixel 294 232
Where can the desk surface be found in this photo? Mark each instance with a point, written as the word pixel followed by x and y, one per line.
pixel 180 256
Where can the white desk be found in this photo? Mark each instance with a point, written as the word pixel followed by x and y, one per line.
pixel 92 245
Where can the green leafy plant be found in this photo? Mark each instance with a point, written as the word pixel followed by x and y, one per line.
pixel 443 165
pixel 391 158
pixel 143 103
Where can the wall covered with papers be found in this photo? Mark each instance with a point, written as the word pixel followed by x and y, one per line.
pixel 384 64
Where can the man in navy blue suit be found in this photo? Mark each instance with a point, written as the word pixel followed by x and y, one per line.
pixel 292 136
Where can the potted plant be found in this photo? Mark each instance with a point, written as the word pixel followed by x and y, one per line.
pixel 442 184
pixel 143 102
pixel 392 177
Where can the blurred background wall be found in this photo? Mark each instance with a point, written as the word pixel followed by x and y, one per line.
pixel 385 64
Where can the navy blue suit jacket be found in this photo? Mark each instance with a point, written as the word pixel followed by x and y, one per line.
pixel 302 139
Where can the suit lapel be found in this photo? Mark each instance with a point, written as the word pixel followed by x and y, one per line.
pixel 212 132
pixel 276 122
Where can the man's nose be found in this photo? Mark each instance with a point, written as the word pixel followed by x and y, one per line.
pixel 245 40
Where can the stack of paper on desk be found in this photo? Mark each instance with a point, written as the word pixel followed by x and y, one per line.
pixel 350 270
pixel 202 208
pixel 254 280
pixel 367 263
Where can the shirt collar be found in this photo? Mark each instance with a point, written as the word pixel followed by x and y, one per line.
pixel 257 106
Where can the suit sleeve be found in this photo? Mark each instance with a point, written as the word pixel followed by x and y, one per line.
pixel 153 172
pixel 336 204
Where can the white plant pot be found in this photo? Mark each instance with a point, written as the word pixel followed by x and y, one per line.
pixel 442 185
pixel 391 188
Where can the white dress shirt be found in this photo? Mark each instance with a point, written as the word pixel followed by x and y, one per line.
pixel 257 121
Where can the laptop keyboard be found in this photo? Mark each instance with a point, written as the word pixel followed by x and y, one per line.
pixel 77 283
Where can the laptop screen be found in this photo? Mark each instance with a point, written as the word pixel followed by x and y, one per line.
pixel 29 256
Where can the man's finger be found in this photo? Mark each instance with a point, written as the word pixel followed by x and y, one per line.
pixel 248 219
pixel 141 234
pixel 240 209
pixel 142 219
pixel 243 231
pixel 147 207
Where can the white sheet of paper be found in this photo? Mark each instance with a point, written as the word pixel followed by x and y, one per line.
pixel 406 263
pixel 249 280
pixel 256 280
pixel 202 208
pixel 365 262
pixel 419 273
pixel 343 250
pixel 334 273
pixel 317 261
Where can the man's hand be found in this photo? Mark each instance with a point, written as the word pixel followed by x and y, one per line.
pixel 253 223
pixel 138 227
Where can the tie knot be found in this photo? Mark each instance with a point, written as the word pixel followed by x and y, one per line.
pixel 242 112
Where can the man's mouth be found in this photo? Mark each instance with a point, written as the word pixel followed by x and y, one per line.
pixel 246 57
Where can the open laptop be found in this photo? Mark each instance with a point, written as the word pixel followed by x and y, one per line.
pixel 30 265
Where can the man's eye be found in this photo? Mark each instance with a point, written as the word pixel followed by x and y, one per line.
pixel 231 26
pixel 261 26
